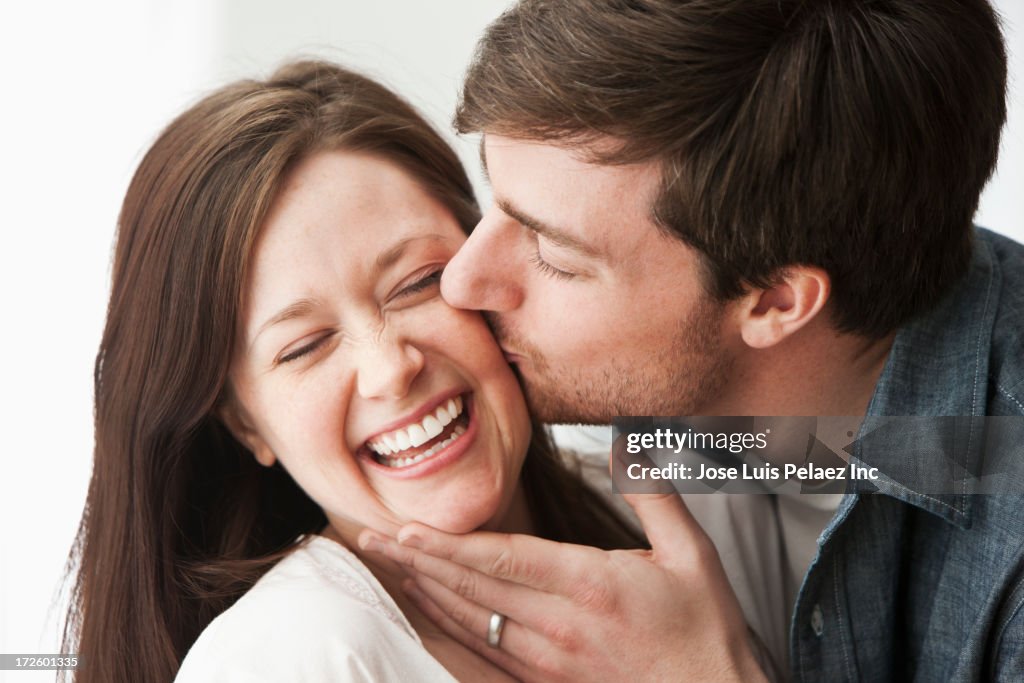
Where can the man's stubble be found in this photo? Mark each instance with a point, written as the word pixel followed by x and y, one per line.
pixel 680 378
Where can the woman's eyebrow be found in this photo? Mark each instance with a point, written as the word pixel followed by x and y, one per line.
pixel 387 258
pixel 384 260
pixel 296 309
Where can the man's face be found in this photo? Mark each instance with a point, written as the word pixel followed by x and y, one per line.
pixel 601 312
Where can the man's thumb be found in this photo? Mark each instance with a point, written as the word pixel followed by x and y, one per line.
pixel 673 532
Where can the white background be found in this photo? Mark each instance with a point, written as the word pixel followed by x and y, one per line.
pixel 86 87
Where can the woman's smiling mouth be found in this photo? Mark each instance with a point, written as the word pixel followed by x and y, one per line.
pixel 433 435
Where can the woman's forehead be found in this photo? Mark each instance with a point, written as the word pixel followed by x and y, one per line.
pixel 339 221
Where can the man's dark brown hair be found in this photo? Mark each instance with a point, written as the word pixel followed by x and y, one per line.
pixel 852 135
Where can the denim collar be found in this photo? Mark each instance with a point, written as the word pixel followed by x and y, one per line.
pixel 938 366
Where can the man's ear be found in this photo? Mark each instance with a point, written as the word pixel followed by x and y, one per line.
pixel 768 316
pixel 238 423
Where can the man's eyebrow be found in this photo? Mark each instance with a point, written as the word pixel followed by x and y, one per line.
pixel 549 232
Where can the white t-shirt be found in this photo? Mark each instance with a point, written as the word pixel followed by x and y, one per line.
pixel 317 615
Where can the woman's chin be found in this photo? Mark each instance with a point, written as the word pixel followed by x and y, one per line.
pixel 461 520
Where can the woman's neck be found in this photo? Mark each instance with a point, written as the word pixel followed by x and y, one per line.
pixel 517 519
pixel 461 662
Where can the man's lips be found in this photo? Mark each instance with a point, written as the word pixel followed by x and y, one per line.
pixel 510 355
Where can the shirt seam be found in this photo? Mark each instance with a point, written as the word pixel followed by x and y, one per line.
pixel 923 495
pixel 974 392
pixel 1006 393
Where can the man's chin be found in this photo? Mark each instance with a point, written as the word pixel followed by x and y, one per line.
pixel 549 407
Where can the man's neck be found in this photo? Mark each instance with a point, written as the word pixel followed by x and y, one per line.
pixel 817 371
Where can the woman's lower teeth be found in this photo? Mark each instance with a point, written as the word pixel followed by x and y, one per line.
pixel 412 460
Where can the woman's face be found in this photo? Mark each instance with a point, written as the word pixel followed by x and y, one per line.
pixel 383 403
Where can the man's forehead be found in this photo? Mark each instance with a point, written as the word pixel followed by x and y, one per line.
pixel 565 155
pixel 605 206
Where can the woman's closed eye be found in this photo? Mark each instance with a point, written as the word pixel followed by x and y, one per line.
pixel 428 282
pixel 303 349
pixel 432 279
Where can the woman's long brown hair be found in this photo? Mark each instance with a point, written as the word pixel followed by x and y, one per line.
pixel 180 520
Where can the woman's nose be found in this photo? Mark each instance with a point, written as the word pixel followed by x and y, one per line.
pixel 486 274
pixel 387 368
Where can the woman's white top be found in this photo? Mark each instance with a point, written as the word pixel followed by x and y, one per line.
pixel 317 615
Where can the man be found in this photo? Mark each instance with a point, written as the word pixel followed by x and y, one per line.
pixel 744 207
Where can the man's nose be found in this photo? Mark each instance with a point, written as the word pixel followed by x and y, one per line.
pixel 387 368
pixel 486 273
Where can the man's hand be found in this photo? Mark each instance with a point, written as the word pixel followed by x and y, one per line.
pixel 575 613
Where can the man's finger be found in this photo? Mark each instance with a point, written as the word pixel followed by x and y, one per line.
pixel 526 560
pixel 622 460
pixel 673 532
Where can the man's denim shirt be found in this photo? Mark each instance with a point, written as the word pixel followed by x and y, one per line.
pixel 910 586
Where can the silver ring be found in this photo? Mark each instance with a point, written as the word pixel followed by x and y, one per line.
pixel 495 629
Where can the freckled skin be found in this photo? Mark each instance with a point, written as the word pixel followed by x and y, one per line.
pixel 373 346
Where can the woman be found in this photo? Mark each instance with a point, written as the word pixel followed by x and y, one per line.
pixel 278 371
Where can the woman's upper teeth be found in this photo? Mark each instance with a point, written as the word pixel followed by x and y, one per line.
pixel 418 433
